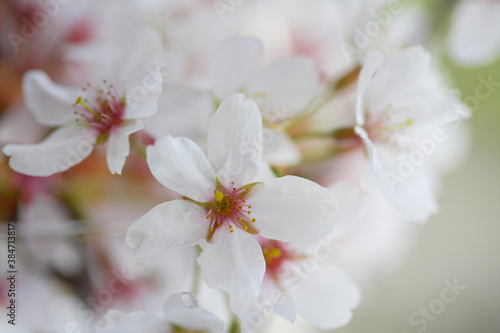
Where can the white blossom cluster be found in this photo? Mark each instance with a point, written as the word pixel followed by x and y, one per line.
pixel 213 165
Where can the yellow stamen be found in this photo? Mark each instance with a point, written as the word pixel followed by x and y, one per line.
pixel 218 196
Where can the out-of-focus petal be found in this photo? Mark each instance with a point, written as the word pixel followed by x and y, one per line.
pixel 119 146
pixel 50 103
pixel 285 86
pixel 64 148
pixel 326 298
pixel 374 172
pixel 474 37
pixel 143 91
pixel 234 65
pixel 373 61
pixel 181 112
pixel 182 309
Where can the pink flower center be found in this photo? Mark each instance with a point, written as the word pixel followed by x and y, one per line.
pixel 388 124
pixel 229 209
pixel 101 109
pixel 276 254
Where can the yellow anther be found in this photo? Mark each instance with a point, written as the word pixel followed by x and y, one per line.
pixel 253 220
pixel 245 228
pixel 218 196
pixel 274 253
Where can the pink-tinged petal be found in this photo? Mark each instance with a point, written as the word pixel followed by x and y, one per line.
pixel 293 209
pixel 180 165
pixel 181 112
pixel 170 225
pixel 119 145
pixel 474 37
pixel 374 172
pixel 64 148
pixel 143 91
pixel 233 262
pixel 182 310
pixel 327 297
pixel 286 86
pixel 373 61
pixel 234 65
pixel 234 141
pixel 397 78
pixel 50 103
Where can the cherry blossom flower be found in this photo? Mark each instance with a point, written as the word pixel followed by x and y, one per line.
pixel 106 112
pixel 298 283
pixel 181 310
pixel 223 203
pixel 400 104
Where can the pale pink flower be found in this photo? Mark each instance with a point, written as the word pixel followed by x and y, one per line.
pixel 224 204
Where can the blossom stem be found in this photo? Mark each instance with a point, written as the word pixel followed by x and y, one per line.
pixel 195 288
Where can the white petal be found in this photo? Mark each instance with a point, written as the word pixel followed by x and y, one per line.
pixel 143 92
pixel 373 61
pixel 234 141
pixel 142 49
pixel 281 150
pixel 374 172
pixel 397 77
pixel 64 148
pixel 119 146
pixel 233 262
pixel 286 308
pixel 180 165
pixel 234 65
pixel 182 309
pixel 475 32
pixel 170 225
pixel 326 298
pixel 50 103
pixel 350 200
pixel 181 112
pixel 288 86
pixel 292 209
pixel 413 197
